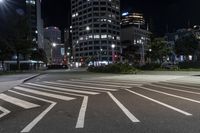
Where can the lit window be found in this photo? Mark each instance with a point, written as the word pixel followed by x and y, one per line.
pixel 96 36
pixel 103 36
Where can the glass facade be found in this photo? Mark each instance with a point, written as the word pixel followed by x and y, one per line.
pixel 95 27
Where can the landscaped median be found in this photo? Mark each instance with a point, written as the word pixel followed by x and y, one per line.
pixel 117 68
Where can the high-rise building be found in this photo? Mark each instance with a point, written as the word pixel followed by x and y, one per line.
pixel 95 28
pixel 132 19
pixel 134 37
pixel 33 12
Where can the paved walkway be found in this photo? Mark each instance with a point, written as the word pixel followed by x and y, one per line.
pixel 9 81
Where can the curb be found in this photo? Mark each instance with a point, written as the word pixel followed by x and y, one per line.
pixel 32 77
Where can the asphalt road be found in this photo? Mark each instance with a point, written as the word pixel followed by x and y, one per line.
pixel 80 102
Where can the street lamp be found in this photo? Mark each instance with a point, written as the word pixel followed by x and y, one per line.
pixel 53 45
pixel 1 1
pixel 113 52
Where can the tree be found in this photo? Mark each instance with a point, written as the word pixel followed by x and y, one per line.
pixel 187 45
pixel 5 51
pixel 159 49
pixel 18 37
pixel 39 55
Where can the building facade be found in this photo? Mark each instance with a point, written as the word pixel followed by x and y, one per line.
pixel 53 46
pixel 137 40
pixel 136 19
pixel 95 28
pixel 33 13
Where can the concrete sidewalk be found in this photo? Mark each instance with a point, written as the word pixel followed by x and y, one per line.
pixel 9 81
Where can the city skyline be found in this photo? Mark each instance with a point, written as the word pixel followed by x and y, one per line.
pixel 163 16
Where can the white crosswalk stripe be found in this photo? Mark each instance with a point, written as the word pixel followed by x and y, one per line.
pixel 5 112
pixel 18 102
pixel 67 90
pixel 161 103
pixel 108 82
pixel 39 117
pixel 63 89
pixel 81 86
pixel 65 98
pixel 94 83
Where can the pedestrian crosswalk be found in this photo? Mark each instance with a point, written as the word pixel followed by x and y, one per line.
pixel 53 92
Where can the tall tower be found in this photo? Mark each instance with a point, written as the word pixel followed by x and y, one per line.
pixel 33 11
pixel 95 28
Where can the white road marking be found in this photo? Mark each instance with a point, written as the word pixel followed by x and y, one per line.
pixel 124 109
pixel 172 95
pixel 5 112
pixel 63 89
pixel 129 84
pixel 81 117
pixel 18 102
pixel 169 88
pixel 194 88
pixel 65 98
pixel 161 103
pixel 31 125
pixel 84 82
pixel 88 87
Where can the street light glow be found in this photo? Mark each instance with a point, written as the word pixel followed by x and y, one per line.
pixel 1 1
pixel 54 44
pixel 87 28
pixel 113 46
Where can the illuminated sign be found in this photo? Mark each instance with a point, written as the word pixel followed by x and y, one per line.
pixel 125 14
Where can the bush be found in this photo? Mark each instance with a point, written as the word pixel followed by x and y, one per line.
pixel 189 65
pixel 151 66
pixel 114 68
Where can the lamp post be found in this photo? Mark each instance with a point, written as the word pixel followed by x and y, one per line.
pixel 113 52
pixel 52 49
pixel 68 58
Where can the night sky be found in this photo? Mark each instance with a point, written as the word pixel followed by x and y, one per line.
pixel 162 15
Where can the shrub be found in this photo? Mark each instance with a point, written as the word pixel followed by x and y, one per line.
pixel 189 65
pixel 151 66
pixel 114 68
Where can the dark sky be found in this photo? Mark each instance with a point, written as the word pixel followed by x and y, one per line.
pixel 161 14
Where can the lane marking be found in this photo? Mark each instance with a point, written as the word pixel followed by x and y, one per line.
pixel 109 82
pixel 88 87
pixel 18 102
pixel 169 94
pixel 83 82
pixel 65 98
pixel 169 88
pixel 81 117
pixel 63 89
pixel 115 80
pixel 161 103
pixel 194 88
pixel 5 112
pixel 31 125
pixel 124 109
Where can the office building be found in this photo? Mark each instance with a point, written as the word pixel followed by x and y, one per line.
pixel 33 13
pixel 136 19
pixel 134 37
pixel 95 28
